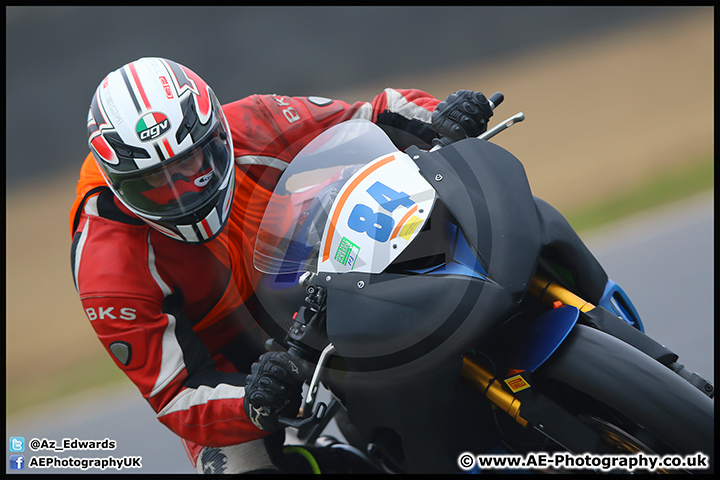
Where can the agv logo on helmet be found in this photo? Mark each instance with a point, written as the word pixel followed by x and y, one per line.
pixel 151 126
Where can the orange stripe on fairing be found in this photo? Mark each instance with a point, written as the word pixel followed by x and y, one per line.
pixel 139 86
pixel 343 199
pixel 402 221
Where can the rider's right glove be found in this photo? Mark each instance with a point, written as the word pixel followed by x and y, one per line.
pixel 274 389
pixel 461 115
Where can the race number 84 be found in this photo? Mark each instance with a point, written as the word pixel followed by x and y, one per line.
pixel 378 225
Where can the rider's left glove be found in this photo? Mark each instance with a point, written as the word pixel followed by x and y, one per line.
pixel 274 389
pixel 461 115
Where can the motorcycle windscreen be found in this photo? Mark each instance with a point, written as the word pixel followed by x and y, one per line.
pixel 296 218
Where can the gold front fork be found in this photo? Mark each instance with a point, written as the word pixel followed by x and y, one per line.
pixel 483 381
pixel 549 292
pixel 493 388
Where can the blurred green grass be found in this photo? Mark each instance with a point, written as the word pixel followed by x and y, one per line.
pixel 695 176
pixel 95 372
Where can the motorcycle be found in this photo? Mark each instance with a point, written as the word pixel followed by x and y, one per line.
pixel 447 311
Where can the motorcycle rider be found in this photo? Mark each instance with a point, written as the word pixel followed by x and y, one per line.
pixel 168 205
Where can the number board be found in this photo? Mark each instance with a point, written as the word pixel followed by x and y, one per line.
pixel 378 212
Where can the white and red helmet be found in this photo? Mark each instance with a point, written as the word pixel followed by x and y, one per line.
pixel 161 140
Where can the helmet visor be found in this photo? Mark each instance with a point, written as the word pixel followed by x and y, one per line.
pixel 182 185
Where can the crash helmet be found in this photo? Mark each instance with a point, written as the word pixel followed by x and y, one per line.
pixel 163 145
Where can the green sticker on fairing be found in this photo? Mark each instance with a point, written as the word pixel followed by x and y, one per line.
pixel 347 253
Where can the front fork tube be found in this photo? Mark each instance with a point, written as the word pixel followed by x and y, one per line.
pixel 492 387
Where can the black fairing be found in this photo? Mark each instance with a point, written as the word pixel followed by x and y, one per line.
pixel 486 190
pixel 588 276
pixel 397 319
pixel 411 321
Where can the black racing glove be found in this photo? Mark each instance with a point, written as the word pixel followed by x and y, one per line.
pixel 461 115
pixel 274 389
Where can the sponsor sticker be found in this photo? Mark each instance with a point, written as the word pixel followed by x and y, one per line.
pixel 517 383
pixel 410 226
pixel 347 253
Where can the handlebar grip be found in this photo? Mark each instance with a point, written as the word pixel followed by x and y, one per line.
pixel 496 99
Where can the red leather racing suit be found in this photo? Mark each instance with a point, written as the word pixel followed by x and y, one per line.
pixel 178 318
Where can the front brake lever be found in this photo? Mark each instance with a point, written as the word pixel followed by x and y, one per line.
pixel 310 398
pixel 316 416
pixel 517 118
pixel 319 409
